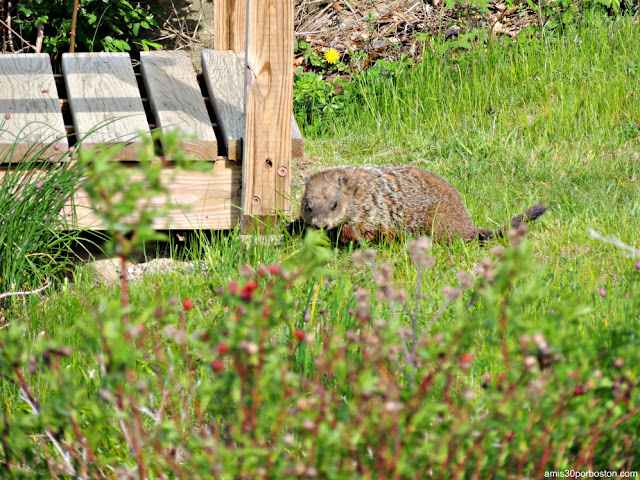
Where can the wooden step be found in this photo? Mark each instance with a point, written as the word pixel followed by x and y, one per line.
pixel 104 100
pixel 176 101
pixel 30 116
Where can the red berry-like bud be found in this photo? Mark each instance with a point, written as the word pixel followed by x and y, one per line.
pixel 577 391
pixel 299 334
pixel 262 271
pixel 246 293
pixel 465 358
pixel 233 288
pixel 187 304
pixel 251 285
pixel 502 377
pixel 275 269
pixel 217 365
pixel 223 348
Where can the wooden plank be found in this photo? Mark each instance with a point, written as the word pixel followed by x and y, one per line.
pixel 176 101
pixel 30 116
pixel 214 197
pixel 105 101
pixel 297 142
pixel 266 166
pixel 229 29
pixel 224 75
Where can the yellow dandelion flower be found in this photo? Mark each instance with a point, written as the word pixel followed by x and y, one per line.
pixel 331 56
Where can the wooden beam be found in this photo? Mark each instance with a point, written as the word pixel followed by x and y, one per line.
pixel 224 75
pixel 105 101
pixel 266 166
pixel 229 30
pixel 199 200
pixel 176 101
pixel 30 115
pixel 297 142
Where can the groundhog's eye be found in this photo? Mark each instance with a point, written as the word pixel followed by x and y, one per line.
pixel 335 205
pixel 308 209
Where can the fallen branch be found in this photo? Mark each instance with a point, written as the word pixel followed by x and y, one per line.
pixel 29 292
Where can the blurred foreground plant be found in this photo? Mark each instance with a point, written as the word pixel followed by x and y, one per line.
pixel 258 394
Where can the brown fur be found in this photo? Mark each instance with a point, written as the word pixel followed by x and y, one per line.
pixel 382 201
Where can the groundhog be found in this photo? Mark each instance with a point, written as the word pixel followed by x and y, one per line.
pixel 373 202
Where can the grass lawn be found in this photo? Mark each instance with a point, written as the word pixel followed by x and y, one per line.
pixel 508 125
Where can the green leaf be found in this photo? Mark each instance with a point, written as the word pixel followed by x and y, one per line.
pixel 24 10
pixel 148 45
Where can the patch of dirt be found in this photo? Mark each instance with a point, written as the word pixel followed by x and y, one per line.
pixel 381 28
pixel 186 25
pixel 157 257
pixel 108 270
pixel 390 28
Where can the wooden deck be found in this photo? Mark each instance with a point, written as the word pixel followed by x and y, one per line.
pixel 50 112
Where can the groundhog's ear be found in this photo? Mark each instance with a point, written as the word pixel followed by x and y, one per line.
pixel 346 185
pixel 306 178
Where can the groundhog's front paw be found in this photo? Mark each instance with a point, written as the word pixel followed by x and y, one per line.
pixel 349 234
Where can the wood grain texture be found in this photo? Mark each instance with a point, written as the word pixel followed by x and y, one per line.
pixel 104 100
pixel 297 142
pixel 176 101
pixel 224 75
pixel 229 29
pixel 30 113
pixel 202 200
pixel 266 166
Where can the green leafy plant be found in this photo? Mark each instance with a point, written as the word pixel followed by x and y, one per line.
pixel 114 25
pixel 34 243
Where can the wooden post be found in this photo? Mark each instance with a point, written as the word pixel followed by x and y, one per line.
pixel 229 29
pixel 266 167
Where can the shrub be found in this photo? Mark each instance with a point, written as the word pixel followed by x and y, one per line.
pixel 109 25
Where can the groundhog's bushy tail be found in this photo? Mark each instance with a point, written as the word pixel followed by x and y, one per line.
pixel 529 215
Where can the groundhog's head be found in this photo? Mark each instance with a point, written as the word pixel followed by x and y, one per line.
pixel 325 200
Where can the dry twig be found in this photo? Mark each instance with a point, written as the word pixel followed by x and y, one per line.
pixel 29 292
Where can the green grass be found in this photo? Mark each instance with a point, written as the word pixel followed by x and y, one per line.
pixel 514 125
pixel 564 132
pixel 508 125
